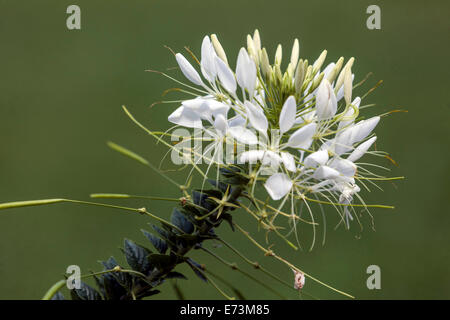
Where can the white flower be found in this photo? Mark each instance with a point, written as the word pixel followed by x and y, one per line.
pixel 295 122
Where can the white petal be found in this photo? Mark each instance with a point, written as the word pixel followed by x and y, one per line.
pixel 220 124
pixel 216 107
pixel 288 161
pixel 344 166
pixel 243 135
pixel 226 76
pixel 326 103
pixel 325 173
pixel 364 128
pixel 188 70
pixel 206 107
pixel 316 159
pixel 340 93
pixel 271 158
pixel 361 149
pixel 251 156
pixel 208 62
pixel 287 115
pixel 278 185
pixel 185 117
pixel 327 70
pixel 236 121
pixel 343 141
pixel 302 138
pixel 256 117
pixel 246 72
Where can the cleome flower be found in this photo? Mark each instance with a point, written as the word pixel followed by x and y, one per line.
pixel 299 131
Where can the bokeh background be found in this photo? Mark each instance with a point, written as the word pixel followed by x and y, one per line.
pixel 60 98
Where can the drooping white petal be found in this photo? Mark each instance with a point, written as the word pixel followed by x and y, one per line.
pixel 361 149
pixel 206 108
pixel 226 76
pixel 278 185
pixel 287 115
pixel 185 117
pixel 188 70
pixel 288 161
pixel 256 117
pixel 208 62
pixel 246 72
pixel 325 173
pixel 302 138
pixel 243 135
pixel 316 159
pixel 326 103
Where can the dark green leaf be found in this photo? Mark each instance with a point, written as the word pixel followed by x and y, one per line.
pixel 136 256
pixel 179 220
pixel 85 292
pixel 158 243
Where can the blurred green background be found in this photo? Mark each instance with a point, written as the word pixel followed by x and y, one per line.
pixel 60 98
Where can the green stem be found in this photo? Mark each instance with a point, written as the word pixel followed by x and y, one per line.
pixel 144 211
pixel 234 266
pixel 256 265
pixel 270 253
pixel 54 289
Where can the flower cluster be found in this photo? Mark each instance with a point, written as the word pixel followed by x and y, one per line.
pixel 298 130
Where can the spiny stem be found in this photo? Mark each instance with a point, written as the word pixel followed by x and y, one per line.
pixel 270 253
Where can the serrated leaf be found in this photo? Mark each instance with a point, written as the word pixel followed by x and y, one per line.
pixel 158 243
pixel 136 256
pixel 85 292
pixel 179 220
